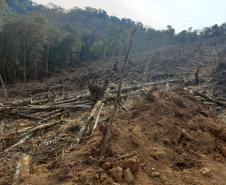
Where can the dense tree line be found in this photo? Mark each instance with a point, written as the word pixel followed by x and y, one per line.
pixel 36 40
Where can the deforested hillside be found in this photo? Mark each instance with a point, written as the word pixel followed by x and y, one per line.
pixel 92 99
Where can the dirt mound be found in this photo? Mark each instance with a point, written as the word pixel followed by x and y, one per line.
pixel 165 138
pixel 174 135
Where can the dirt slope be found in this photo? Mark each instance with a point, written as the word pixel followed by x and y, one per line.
pixel 175 139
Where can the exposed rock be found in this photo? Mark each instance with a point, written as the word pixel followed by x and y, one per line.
pixel 116 173
pixel 132 164
pixel 128 176
pixel 206 172
pixel 156 174
pixel 158 155
pixel 186 135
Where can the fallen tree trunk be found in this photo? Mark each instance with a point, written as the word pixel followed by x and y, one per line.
pixel 74 100
pixel 49 114
pixel 19 102
pixel 87 123
pixel 137 87
pixel 41 127
pixel 98 116
pixel 23 140
pixel 26 116
pixel 50 117
pixel 46 108
pixel 210 99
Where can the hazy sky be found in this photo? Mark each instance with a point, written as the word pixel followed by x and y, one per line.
pixel 181 14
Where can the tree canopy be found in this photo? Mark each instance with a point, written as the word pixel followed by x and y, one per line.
pixel 37 40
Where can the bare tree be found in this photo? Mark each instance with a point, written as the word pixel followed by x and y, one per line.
pixel 3 86
pixel 197 76
pixel 108 130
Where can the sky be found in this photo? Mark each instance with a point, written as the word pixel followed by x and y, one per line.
pixel 180 14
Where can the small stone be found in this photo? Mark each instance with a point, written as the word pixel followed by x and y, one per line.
pixel 128 176
pixel 106 166
pixel 206 172
pixel 132 164
pixel 156 174
pixel 143 166
pixel 116 173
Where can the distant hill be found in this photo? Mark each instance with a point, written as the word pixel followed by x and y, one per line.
pixel 37 40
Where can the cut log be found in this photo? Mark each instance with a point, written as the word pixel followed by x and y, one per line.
pixel 50 117
pixel 26 116
pixel 48 114
pixel 87 123
pixel 74 100
pixel 98 116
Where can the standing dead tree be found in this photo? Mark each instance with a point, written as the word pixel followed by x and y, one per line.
pixel 197 76
pixel 107 132
pixel 3 86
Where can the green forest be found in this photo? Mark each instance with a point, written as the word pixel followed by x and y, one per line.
pixel 36 41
